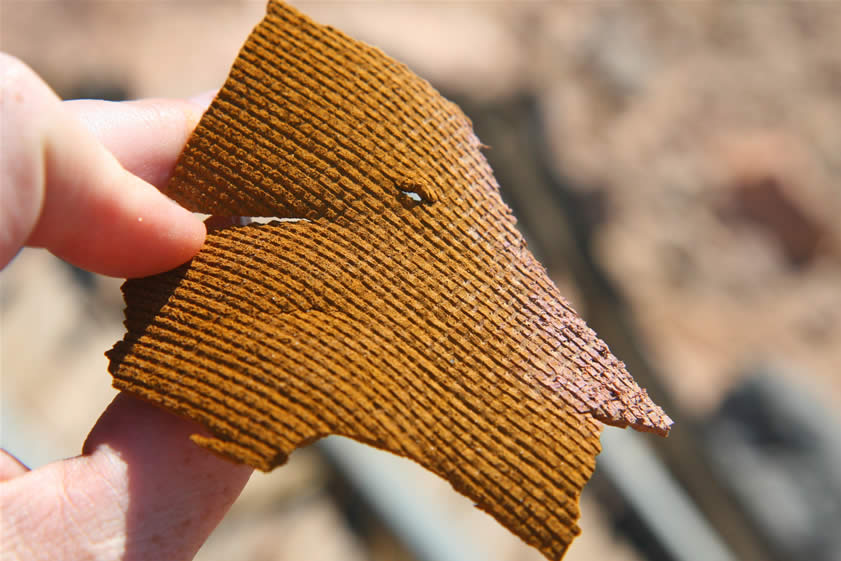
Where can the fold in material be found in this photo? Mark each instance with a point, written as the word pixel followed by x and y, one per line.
pixel 402 309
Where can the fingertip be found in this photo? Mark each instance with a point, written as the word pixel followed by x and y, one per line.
pixel 161 237
pixel 170 242
pixel 175 226
pixel 129 230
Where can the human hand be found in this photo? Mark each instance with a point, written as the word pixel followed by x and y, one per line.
pixel 78 179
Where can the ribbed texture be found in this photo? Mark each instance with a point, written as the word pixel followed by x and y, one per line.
pixel 425 328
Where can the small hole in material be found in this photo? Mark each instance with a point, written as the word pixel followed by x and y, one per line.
pixel 412 195
pixel 417 191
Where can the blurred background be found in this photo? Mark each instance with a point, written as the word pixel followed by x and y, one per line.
pixel 677 169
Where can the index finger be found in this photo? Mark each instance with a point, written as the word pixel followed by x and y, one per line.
pixel 64 191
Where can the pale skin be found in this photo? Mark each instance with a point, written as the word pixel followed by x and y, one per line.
pixel 79 179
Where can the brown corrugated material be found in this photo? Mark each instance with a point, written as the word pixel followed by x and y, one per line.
pixel 422 327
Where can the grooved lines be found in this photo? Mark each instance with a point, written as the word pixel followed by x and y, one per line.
pixel 423 328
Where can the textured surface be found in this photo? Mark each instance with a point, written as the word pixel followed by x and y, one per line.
pixel 423 327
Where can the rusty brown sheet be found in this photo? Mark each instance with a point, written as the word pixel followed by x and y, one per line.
pixel 401 309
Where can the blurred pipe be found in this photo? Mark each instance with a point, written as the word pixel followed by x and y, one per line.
pixel 422 525
pixel 669 514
